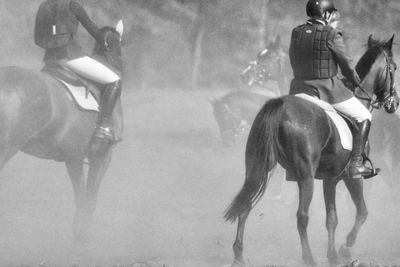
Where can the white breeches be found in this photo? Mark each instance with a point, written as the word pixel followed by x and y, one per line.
pixel 93 70
pixel 354 109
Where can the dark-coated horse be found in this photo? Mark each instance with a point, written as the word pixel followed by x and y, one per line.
pixel 38 117
pixel 236 110
pixel 301 137
pixel 271 64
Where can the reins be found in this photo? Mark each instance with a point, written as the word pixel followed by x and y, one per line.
pixel 376 103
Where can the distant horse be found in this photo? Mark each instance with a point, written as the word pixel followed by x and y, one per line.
pixel 301 137
pixel 235 112
pixel 271 64
pixel 39 117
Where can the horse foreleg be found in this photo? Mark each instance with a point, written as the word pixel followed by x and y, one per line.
pixel 355 187
pixel 99 160
pixel 238 244
pixel 76 174
pixel 306 189
pixel 331 218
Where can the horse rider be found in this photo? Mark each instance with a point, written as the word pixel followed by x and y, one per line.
pixel 316 51
pixel 56 25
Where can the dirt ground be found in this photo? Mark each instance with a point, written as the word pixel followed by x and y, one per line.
pixel 163 198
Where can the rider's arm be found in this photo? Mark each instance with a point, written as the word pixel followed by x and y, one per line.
pixel 338 47
pixel 84 19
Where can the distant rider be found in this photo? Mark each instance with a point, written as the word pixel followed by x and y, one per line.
pixel 316 50
pixel 56 25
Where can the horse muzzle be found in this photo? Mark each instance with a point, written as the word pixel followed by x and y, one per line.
pixel 392 103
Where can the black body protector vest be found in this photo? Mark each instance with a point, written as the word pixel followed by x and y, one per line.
pixel 55 25
pixel 310 56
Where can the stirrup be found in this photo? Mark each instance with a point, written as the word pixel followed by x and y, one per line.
pixel 368 174
pixel 374 171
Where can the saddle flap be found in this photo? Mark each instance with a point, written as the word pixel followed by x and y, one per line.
pixel 346 136
pixel 84 94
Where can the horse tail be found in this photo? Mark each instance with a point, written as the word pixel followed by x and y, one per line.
pixel 262 152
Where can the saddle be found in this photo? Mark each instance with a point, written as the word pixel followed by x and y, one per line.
pixel 85 93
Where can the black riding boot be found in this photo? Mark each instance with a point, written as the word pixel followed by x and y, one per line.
pixel 104 128
pixel 357 168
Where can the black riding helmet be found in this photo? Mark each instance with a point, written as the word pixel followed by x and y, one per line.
pixel 316 8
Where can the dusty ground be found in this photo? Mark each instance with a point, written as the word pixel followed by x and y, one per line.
pixel 163 198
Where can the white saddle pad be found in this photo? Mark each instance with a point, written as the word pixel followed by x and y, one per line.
pixel 84 100
pixel 346 137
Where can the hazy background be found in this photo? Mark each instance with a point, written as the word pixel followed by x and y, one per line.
pixel 163 198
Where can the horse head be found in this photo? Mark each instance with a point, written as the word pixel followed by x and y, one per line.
pixel 376 69
pixel 228 128
pixel 110 53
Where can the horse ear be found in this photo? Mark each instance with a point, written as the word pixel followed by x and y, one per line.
pixel 120 27
pixel 389 43
pixel 370 41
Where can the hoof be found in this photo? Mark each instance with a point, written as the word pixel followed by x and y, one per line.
pixel 334 259
pixel 238 263
pixel 345 252
pixel 309 261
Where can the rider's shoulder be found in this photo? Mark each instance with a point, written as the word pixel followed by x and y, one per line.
pixel 334 32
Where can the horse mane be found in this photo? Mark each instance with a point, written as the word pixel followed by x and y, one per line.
pixel 112 57
pixel 365 63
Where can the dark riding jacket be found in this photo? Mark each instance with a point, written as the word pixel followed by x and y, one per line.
pixel 56 25
pixel 316 50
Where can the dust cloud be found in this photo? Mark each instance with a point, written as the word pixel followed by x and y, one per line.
pixel 163 197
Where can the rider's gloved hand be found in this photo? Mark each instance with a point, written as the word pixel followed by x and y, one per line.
pixel 352 82
pixel 349 85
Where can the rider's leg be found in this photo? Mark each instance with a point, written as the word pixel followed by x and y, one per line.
pixel 95 71
pixel 353 108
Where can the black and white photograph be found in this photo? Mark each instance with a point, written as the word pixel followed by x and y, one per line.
pixel 199 133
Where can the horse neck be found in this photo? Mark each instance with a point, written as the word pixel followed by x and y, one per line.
pixel 371 80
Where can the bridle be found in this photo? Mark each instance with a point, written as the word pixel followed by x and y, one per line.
pixel 383 97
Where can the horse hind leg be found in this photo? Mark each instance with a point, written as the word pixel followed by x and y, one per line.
pixel 306 189
pixel 238 244
pixel 331 218
pixel 253 188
